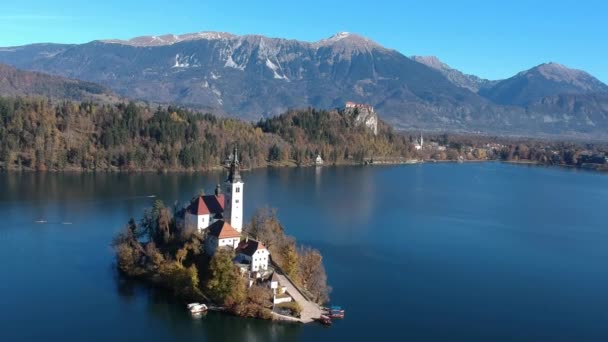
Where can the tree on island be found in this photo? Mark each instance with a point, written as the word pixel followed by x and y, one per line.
pixel 312 274
pixel 152 251
pixel 225 283
pixel 304 266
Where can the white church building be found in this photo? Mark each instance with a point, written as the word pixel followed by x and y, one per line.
pixel 220 217
pixel 204 211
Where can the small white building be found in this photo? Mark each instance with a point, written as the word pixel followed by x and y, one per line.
pixel 254 253
pixel 204 211
pixel 419 143
pixel 221 234
pixel 319 160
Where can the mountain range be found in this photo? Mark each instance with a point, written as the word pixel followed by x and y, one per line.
pixel 253 76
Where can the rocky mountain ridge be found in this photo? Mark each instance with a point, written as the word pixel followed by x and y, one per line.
pixel 253 76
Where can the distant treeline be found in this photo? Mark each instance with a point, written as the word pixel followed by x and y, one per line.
pixel 541 151
pixel 36 134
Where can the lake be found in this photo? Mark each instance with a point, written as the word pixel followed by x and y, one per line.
pixel 432 252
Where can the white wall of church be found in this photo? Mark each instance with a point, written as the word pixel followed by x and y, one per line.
pixel 199 222
pixel 203 221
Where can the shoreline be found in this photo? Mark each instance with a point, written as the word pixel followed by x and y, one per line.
pixel 589 167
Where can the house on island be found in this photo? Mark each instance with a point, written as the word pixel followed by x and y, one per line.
pixel 205 210
pixel 253 253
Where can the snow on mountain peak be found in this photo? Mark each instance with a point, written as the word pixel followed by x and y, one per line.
pixel 169 39
pixel 349 41
pixel 338 36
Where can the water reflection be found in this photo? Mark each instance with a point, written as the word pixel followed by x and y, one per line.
pixel 213 326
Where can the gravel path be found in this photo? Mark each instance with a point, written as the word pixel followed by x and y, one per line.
pixel 310 310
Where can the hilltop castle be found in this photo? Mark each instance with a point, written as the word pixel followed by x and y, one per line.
pixel 364 114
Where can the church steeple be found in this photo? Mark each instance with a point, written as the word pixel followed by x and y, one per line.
pixel 233 211
pixel 234 174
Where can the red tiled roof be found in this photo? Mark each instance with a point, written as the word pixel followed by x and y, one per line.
pixel 208 204
pixel 223 230
pixel 249 247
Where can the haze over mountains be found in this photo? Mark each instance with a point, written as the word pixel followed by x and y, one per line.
pixel 252 76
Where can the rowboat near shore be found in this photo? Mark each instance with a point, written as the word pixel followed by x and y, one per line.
pixel 197 308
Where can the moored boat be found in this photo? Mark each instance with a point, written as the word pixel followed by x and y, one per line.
pixel 325 320
pixel 336 312
pixel 197 308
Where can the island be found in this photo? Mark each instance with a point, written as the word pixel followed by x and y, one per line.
pixel 204 252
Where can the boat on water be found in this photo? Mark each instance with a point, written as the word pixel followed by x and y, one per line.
pixel 325 320
pixel 197 308
pixel 336 312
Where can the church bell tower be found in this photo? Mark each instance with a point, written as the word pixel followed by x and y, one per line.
pixel 233 211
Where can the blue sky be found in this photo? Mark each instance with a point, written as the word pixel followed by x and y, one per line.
pixel 492 39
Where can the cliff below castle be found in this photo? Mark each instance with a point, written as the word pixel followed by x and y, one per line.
pixel 363 115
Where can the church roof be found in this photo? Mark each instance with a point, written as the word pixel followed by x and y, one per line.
pixel 208 204
pixel 249 247
pixel 222 230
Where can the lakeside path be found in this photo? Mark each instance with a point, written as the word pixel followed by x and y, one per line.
pixel 310 310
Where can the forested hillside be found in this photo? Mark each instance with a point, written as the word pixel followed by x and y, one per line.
pixel 36 134
pixel 15 82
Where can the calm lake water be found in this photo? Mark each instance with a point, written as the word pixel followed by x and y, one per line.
pixel 434 252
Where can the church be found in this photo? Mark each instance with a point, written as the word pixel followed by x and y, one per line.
pixel 219 217
pixel 205 210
